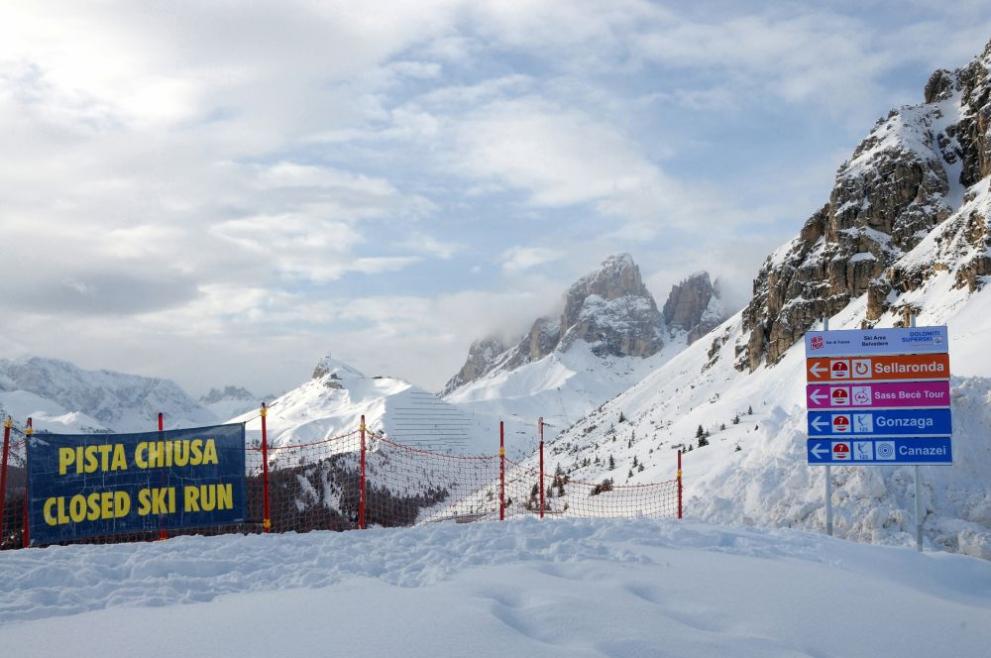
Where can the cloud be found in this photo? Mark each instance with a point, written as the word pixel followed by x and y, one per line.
pixel 248 188
pixel 96 292
pixel 519 259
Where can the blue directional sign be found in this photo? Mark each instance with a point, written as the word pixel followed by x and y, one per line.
pixel 889 422
pixel 893 450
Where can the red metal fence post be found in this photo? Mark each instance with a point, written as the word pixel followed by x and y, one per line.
pixel 502 471
pixel 266 509
pixel 25 521
pixel 162 532
pixel 7 424
pixel 679 484
pixel 361 478
pixel 540 424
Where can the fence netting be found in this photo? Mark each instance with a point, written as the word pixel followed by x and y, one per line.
pixel 318 485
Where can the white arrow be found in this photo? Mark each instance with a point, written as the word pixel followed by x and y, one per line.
pixel 817 423
pixel 817 395
pixel 818 450
pixel 817 369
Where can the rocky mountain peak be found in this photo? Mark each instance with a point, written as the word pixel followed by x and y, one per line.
pixel 611 310
pixel 330 368
pixel 215 395
pixel 906 178
pixel 693 305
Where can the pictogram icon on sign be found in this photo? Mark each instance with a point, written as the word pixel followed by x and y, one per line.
pixel 840 369
pixel 861 368
pixel 841 424
pixel 841 451
pixel 863 451
pixel 861 395
pixel 818 342
pixel 841 397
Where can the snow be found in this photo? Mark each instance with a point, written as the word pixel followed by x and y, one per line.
pixel 563 387
pixel 523 588
pixel 767 481
pixel 65 398
pixel 333 401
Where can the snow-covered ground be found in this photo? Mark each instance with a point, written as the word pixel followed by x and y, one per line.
pixel 523 588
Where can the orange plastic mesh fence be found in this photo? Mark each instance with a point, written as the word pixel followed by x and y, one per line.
pixel 316 486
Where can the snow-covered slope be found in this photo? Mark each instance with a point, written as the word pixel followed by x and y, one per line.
pixel 61 397
pixel 608 337
pixel 562 387
pixel 332 402
pixel 906 228
pixel 555 588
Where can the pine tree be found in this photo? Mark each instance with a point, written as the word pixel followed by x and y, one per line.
pixel 622 417
pixel 750 410
pixel 699 433
pixel 612 462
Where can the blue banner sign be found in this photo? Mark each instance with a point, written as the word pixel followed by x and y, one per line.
pixel 107 484
pixel 865 452
pixel 867 342
pixel 891 422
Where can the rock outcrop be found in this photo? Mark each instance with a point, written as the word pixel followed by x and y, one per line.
pixel 901 182
pixel 693 306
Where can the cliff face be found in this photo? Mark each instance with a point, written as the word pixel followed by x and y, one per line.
pixel 906 178
pixel 693 306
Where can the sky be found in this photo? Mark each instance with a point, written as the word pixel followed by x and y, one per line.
pixel 221 193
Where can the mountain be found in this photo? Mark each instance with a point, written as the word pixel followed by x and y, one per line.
pixel 231 401
pixel 906 228
pixel 609 335
pixel 694 306
pixel 62 397
pixel 333 400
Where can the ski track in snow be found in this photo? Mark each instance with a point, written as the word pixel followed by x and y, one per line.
pixel 553 588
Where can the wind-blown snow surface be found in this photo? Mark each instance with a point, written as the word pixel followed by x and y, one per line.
pixel 527 588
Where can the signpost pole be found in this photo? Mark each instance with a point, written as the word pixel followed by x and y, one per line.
pixel 918 505
pixel 829 473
